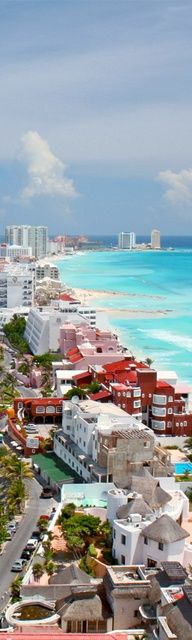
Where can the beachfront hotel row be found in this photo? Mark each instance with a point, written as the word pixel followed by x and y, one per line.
pixel 105 435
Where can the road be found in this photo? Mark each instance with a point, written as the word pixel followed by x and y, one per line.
pixel 14 548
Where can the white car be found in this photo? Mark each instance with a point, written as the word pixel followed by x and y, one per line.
pixel 31 544
pixel 18 565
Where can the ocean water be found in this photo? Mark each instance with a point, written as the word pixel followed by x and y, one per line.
pixel 151 281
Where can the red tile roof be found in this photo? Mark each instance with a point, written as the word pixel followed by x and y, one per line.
pixel 81 376
pixel 162 384
pixel 67 298
pixel 76 357
pixel 71 352
pixel 100 395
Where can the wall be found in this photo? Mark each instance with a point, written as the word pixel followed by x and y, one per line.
pixel 171 552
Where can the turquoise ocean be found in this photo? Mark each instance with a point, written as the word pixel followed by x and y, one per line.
pixel 154 281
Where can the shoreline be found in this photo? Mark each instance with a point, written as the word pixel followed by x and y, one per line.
pixel 88 296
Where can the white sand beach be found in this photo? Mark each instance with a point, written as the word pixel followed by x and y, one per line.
pixel 88 296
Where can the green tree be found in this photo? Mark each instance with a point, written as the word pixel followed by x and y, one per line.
pixel 3 525
pixel 93 387
pixel 78 530
pixel 149 361
pixel 50 567
pixel 14 331
pixel 75 391
pixel 15 468
pixel 43 524
pixel 188 442
pixel 38 570
pixel 16 496
pixel 15 589
pixel 67 512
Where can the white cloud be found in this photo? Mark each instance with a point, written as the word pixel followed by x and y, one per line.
pixel 45 171
pixel 178 185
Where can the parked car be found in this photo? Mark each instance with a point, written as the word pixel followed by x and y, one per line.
pixel 18 565
pixel 28 551
pixel 12 527
pixel 31 545
pixel 47 492
pixel 36 535
pixel 25 555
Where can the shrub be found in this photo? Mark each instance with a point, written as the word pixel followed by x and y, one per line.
pixel 92 550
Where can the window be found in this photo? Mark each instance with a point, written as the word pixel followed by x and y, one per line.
pixel 122 559
pixel 68 428
pixel 40 409
pixel 123 539
pixel 170 398
pixel 146 444
pixel 160 546
pixel 170 410
pixel 114 533
pixel 145 540
pixel 137 404
pixel 185 423
pixel 136 613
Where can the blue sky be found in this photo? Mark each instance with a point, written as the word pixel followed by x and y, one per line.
pixel 95 115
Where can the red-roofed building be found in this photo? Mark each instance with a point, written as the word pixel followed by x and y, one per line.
pixel 65 297
pixel 42 410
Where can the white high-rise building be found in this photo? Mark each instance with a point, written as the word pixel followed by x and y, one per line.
pixel 28 236
pixel 155 239
pixel 16 287
pixel 126 240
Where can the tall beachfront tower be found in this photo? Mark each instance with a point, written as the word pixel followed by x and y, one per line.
pixel 28 236
pixel 126 240
pixel 155 239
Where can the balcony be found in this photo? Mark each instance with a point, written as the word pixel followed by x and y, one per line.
pixel 159 399
pixel 159 411
pixel 158 425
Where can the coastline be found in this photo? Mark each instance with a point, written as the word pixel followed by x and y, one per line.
pixel 89 296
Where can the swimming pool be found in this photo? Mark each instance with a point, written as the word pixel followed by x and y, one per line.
pixel 182 467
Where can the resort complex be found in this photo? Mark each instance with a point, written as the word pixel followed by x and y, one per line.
pixel 96 464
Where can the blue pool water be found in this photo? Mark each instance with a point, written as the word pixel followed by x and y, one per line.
pixel 181 467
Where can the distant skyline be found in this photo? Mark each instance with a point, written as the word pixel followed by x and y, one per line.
pixel 95 115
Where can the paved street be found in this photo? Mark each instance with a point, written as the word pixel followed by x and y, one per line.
pixel 35 508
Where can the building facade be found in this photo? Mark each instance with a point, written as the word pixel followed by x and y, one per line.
pixel 126 240
pixel 28 236
pixel 16 287
pixel 155 239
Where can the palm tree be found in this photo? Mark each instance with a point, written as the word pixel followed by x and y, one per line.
pixel 14 468
pixel 50 567
pixel 15 589
pixel 16 496
pixel 38 570
pixel 188 442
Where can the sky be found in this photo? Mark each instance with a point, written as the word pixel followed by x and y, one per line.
pixel 95 115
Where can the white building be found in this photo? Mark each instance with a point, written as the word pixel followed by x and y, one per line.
pixel 85 425
pixel 155 239
pixel 13 251
pixel 16 286
pixel 35 237
pixel 43 328
pixel 126 240
pixel 47 270
pixel 148 540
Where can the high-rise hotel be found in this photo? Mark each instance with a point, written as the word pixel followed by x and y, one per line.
pixel 155 239
pixel 126 240
pixel 28 236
